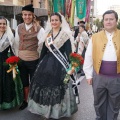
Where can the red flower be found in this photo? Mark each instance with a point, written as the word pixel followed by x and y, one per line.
pixel 76 58
pixel 12 60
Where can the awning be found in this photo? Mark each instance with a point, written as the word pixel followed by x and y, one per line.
pixel 16 10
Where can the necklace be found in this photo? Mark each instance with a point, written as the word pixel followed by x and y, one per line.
pixel 55 35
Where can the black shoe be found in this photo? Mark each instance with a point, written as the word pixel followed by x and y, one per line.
pixel 23 105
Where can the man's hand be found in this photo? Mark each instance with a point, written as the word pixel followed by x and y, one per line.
pixel 89 81
pixel 35 23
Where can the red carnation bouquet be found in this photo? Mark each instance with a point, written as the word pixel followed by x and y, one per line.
pixel 12 61
pixel 76 61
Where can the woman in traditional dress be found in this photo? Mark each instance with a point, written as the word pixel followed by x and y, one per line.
pixel 49 96
pixel 11 93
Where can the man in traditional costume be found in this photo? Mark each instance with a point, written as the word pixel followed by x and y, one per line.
pixel 28 35
pixel 102 68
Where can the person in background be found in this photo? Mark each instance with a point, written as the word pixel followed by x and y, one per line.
pixel 49 95
pixel 82 41
pixel 102 68
pixel 27 36
pixel 77 30
pixel 11 94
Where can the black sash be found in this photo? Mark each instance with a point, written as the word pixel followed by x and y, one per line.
pixel 59 56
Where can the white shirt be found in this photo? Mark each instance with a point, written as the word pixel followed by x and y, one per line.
pixel 109 55
pixel 28 26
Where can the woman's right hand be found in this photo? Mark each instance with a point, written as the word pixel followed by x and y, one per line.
pixel 70 72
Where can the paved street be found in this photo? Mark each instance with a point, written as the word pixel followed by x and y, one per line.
pixel 85 112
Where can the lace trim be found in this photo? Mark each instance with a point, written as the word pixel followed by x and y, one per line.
pixel 47 95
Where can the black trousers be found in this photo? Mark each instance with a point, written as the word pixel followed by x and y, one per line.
pixel 27 69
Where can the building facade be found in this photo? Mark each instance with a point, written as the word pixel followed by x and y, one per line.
pixel 12 2
pixel 11 9
pixel 42 8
